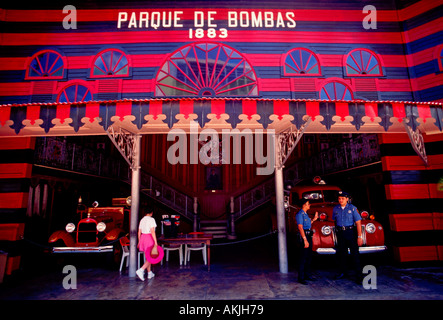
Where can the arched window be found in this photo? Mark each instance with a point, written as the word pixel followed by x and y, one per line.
pixel 206 70
pixel 335 90
pixel 46 65
pixel 362 62
pixel 75 93
pixel 110 63
pixel 301 62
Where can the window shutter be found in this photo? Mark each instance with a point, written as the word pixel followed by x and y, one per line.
pixel 42 91
pixel 109 89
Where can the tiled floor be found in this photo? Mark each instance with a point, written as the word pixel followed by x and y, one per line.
pixel 242 271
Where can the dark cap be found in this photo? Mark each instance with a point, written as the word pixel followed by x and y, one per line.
pixel 343 194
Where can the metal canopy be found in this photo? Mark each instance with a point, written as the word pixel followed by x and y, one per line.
pixel 146 116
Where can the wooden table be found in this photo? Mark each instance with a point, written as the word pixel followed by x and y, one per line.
pixel 191 239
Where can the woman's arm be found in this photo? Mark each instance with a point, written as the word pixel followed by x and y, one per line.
pixel 154 236
pixel 302 233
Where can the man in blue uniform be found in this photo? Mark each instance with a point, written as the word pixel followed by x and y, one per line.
pixel 304 228
pixel 348 231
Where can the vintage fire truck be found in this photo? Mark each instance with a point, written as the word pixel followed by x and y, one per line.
pixel 97 228
pixel 323 198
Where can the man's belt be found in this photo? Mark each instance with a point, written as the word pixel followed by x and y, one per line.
pixel 344 228
pixel 308 232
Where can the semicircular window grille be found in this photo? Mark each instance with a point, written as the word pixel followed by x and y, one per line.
pixel 206 70
pixel 75 93
pixel 46 64
pixel 362 62
pixel 110 63
pixel 301 62
pixel 335 90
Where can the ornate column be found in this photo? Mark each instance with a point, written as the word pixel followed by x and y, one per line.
pixel 128 144
pixel 285 142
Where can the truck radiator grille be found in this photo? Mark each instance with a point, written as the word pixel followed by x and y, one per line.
pixel 87 233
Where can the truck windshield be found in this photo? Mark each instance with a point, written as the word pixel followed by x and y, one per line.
pixel 317 196
pixel 330 195
pixel 314 196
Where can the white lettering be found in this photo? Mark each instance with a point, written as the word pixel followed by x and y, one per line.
pixel 244 19
pixel 232 19
pixel 144 17
pixel 256 19
pixel 167 22
pixel 177 19
pixel 269 19
pixel 155 20
pixel 280 21
pixel 122 16
pixel 203 20
pixel 289 16
pixel 211 18
pixel 199 20
pixel 132 21
pixel 190 310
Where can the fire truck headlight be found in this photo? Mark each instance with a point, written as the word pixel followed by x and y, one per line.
pixel 326 230
pixel 101 226
pixel 370 228
pixel 70 227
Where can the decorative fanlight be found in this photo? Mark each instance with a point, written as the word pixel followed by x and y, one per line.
pixel 46 64
pixel 362 62
pixel 301 62
pixel 75 93
pixel 206 70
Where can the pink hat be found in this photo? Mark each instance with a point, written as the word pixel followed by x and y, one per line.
pixel 154 259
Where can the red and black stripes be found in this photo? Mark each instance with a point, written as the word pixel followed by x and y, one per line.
pixel 16 158
pixel 414 196
pixel 265 108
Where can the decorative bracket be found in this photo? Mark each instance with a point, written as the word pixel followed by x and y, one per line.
pixel 287 140
pixel 418 143
pixel 125 142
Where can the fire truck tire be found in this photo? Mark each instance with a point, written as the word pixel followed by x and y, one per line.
pixel 113 258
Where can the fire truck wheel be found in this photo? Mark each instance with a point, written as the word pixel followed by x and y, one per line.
pixel 114 257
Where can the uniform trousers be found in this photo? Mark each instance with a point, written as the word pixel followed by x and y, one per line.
pixel 348 239
pixel 304 268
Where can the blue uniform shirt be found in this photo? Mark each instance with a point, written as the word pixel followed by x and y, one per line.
pixel 345 217
pixel 302 218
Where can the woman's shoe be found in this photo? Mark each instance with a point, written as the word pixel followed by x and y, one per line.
pixel 140 273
